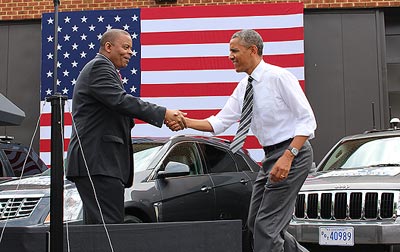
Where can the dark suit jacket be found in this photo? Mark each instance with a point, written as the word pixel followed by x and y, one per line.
pixel 103 116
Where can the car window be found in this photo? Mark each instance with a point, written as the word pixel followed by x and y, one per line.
pixel 362 153
pixel 217 159
pixel 17 159
pixel 144 155
pixel 185 153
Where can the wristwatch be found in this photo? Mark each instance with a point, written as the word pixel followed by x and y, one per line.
pixel 293 150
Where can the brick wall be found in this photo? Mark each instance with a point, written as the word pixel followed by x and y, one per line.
pixel 32 9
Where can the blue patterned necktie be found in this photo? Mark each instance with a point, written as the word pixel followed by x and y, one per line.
pixel 245 118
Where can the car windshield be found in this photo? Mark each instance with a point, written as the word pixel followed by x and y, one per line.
pixel 364 153
pixel 144 154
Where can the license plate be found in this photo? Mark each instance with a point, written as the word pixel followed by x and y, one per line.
pixel 339 236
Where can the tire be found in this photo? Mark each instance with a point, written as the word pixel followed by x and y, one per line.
pixel 132 219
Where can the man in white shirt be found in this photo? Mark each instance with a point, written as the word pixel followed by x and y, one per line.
pixel 283 121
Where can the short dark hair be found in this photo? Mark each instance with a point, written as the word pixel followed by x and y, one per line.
pixel 250 37
pixel 110 35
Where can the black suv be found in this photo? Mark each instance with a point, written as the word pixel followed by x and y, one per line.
pixel 12 159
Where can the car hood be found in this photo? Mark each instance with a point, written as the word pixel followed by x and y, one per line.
pixel 379 178
pixel 41 184
pixel 34 184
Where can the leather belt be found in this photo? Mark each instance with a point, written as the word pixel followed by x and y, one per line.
pixel 280 145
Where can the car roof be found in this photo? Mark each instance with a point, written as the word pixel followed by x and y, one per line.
pixel 373 134
pixel 178 138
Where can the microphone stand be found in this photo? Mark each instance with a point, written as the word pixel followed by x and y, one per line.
pixel 55 243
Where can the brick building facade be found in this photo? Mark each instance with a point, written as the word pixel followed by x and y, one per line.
pixel 32 9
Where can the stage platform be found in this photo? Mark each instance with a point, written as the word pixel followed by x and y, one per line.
pixel 204 236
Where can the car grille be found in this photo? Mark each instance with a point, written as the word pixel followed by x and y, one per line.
pixel 13 208
pixel 349 205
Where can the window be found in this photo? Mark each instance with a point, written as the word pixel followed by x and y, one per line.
pixel 360 153
pixel 241 163
pixel 185 153
pixel 218 160
pixel 17 159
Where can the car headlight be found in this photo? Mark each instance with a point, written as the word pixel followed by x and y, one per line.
pixel 72 206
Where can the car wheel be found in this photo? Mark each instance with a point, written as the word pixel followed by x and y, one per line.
pixel 132 219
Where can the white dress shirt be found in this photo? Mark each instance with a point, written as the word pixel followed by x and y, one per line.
pixel 280 107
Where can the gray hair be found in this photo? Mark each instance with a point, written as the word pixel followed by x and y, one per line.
pixel 250 37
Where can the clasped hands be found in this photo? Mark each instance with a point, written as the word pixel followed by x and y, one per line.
pixel 175 120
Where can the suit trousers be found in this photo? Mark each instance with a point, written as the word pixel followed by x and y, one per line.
pixel 272 204
pixel 109 195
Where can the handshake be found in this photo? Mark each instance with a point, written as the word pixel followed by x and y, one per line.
pixel 175 120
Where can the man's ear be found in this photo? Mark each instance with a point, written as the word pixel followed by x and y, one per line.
pixel 254 49
pixel 107 46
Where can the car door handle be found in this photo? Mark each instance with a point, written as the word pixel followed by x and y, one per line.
pixel 205 188
pixel 244 181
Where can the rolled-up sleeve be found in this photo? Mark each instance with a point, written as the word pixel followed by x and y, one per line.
pixel 230 113
pixel 296 100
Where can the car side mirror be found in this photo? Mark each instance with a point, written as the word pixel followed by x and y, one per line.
pixel 313 168
pixel 174 169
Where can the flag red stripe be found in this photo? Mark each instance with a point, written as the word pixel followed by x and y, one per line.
pixel 203 37
pixel 288 60
pixel 228 11
pixel 250 143
pixel 45 145
pixel 192 89
pixel 196 114
pixel 303 85
pixel 45 119
pixel 201 63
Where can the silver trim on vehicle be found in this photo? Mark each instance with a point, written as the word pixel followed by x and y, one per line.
pixel 18 207
pixel 347 205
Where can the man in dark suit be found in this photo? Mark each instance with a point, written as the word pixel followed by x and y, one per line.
pixel 100 155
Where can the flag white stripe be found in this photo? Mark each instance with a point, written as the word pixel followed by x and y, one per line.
pixel 222 23
pixel 256 154
pixel 203 76
pixel 188 103
pixel 216 50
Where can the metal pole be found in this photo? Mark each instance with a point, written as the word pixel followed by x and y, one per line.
pixel 57 150
pixel 57 172
pixel 56 3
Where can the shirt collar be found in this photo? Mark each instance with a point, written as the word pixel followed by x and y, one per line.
pixel 258 71
pixel 103 56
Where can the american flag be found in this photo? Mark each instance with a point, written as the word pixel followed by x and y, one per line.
pixel 181 57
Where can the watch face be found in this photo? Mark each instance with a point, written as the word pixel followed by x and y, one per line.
pixel 294 151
